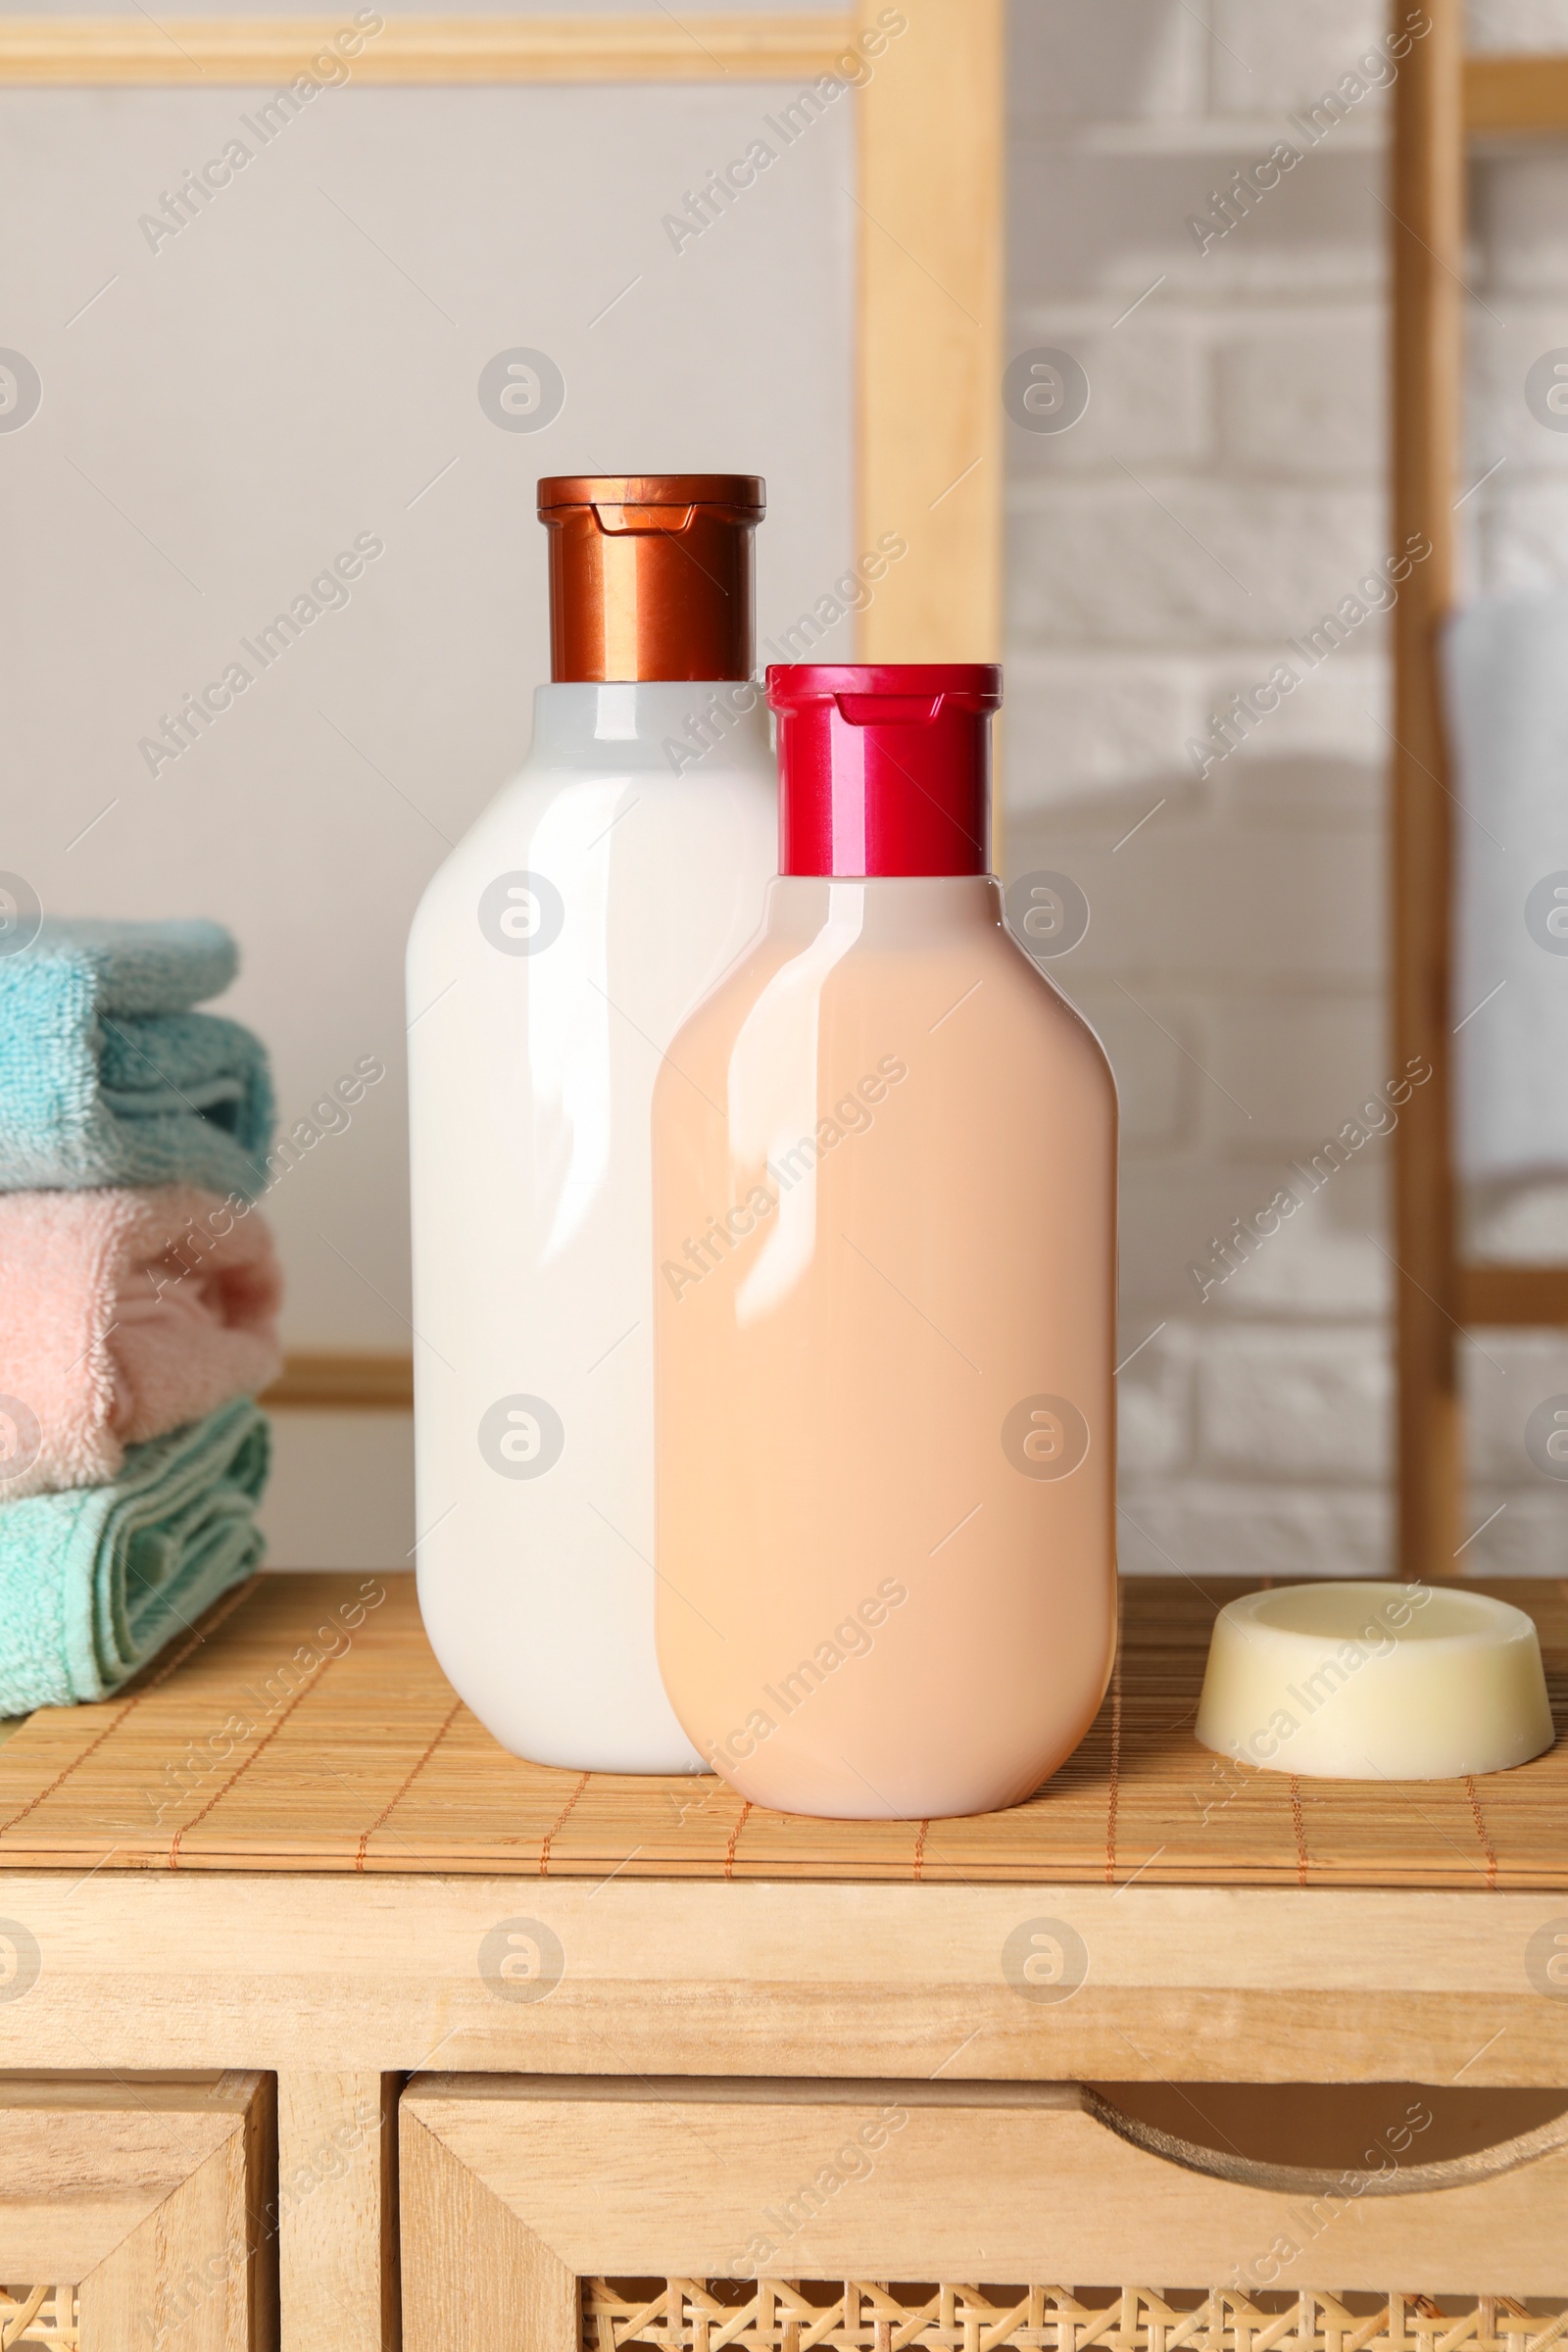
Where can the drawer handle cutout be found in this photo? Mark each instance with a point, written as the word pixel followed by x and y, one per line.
pixel 1299 2180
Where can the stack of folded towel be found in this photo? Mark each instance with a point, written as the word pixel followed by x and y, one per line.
pixel 138 1301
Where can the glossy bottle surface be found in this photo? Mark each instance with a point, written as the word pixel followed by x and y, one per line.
pixel 552 960
pixel 884 1172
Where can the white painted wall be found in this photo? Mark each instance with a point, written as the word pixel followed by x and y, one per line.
pixel 299 366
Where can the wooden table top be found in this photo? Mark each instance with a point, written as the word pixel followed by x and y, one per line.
pixel 305 1725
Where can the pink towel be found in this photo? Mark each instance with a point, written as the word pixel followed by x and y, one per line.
pixel 122 1316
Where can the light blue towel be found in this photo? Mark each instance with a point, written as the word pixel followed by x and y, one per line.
pixel 107 1076
pixel 93 1582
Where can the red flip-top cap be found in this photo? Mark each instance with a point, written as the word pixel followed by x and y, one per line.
pixel 885 767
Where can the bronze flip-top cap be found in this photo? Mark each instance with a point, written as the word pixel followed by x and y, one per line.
pixel 650 574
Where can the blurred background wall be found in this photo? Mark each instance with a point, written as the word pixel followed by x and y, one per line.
pixel 227 409
pixel 300 366
pixel 1223 491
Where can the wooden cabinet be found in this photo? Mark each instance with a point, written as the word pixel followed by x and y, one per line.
pixel 611 2214
pixel 134 2212
pixel 773 2215
pixel 670 2025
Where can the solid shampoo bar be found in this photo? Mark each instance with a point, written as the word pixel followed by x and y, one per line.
pixel 1354 1681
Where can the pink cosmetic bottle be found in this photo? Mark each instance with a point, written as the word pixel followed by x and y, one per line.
pixel 884 1220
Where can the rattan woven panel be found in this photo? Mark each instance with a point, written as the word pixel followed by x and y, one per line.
pixel 35 2317
pixel 686 2315
pixel 308 1727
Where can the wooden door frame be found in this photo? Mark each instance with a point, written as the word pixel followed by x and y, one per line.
pixel 138 2208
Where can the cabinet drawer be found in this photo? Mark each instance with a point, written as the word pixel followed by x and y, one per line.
pixel 131 2212
pixel 593 2215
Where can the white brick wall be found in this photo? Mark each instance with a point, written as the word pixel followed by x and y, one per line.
pixel 1295 400
pixel 1065 70
pixel 1201 1528
pixel 1153 390
pixel 1211 900
pixel 1076 723
pixel 1309 1404
pixel 1268 55
pixel 1224 489
pixel 1518 24
pixel 1185 561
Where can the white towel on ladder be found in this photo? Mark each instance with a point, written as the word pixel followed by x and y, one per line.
pixel 1506 676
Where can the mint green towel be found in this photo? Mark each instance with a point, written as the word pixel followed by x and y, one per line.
pixel 94 1582
pixel 106 1075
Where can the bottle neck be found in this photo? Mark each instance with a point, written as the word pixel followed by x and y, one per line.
pixel 677 725
pixel 886 911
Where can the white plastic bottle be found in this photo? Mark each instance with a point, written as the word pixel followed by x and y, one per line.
pixel 552 960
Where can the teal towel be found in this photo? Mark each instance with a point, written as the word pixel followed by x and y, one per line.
pixel 107 1076
pixel 94 1582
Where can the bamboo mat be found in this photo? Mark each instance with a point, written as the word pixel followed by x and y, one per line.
pixel 250 1747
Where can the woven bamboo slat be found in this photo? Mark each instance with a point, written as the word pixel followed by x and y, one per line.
pixel 686 2315
pixel 306 1726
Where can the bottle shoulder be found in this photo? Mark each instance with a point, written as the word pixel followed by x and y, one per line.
pixel 782 988
pixel 542 785
pixel 572 821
